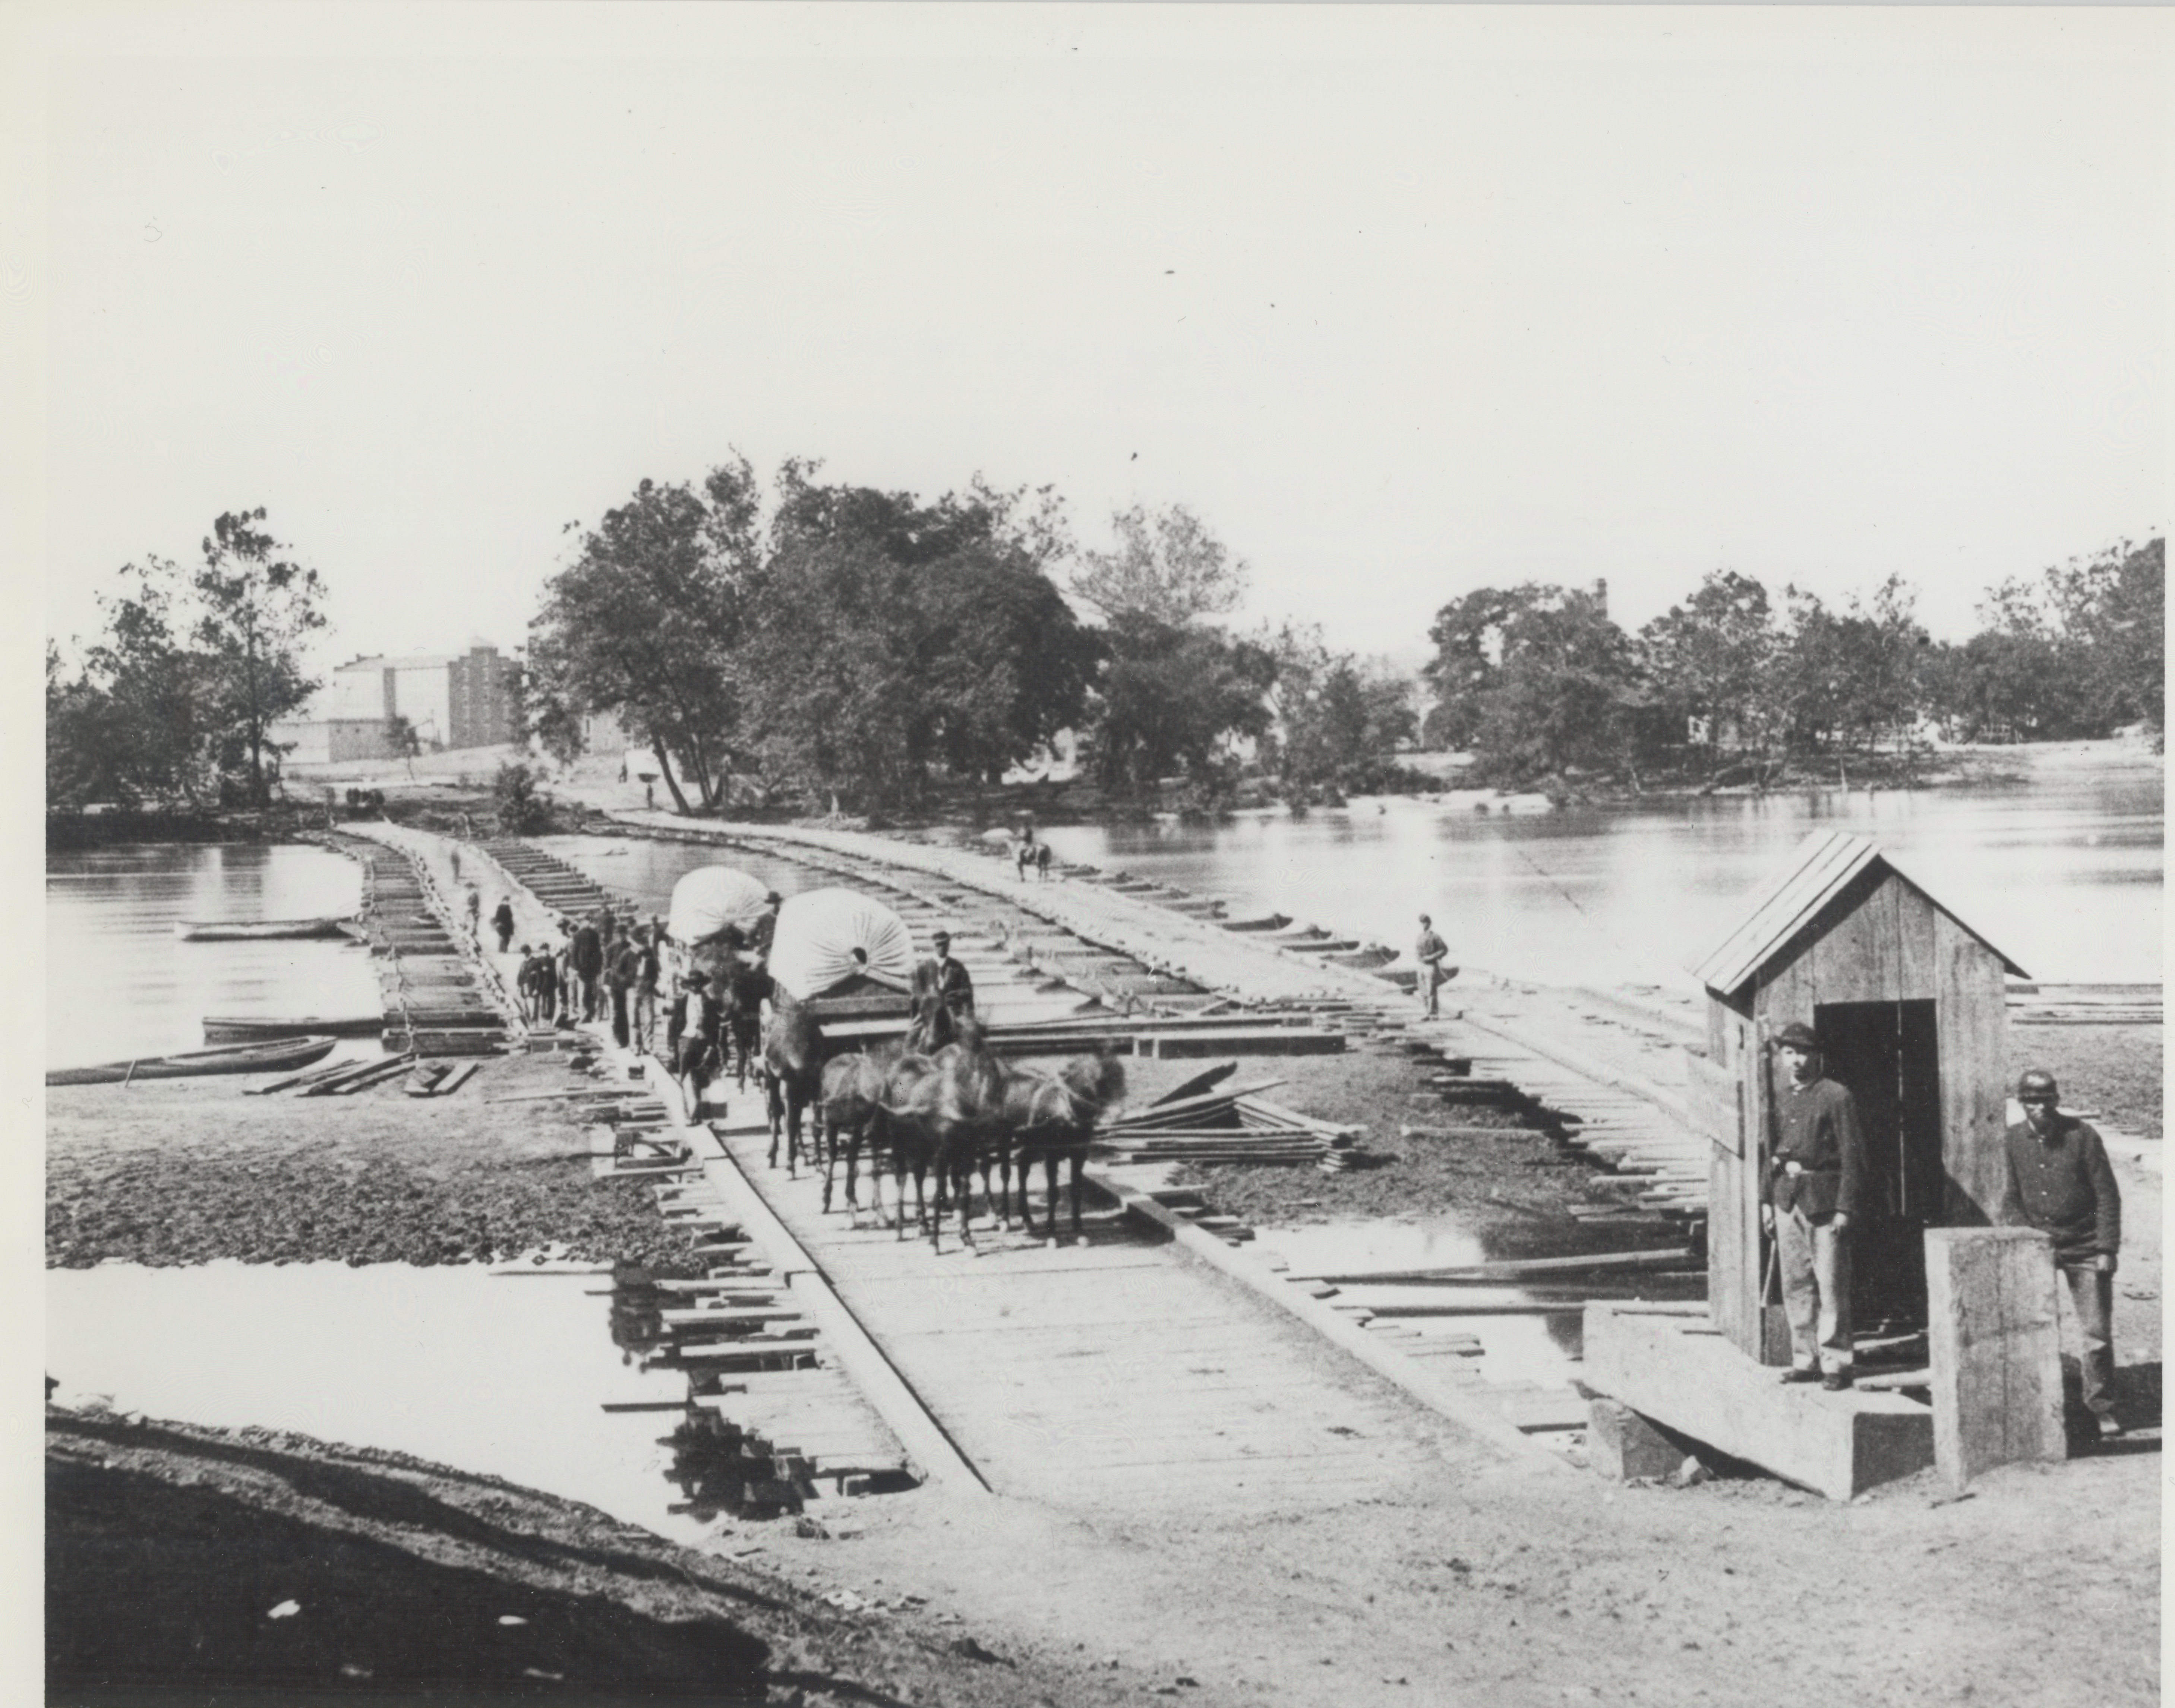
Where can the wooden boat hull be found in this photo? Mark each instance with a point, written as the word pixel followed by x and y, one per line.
pixel 273 1057
pixel 228 1029
pixel 252 930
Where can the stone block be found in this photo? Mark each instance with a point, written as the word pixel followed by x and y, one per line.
pixel 1621 1445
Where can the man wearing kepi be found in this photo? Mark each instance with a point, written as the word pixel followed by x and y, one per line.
pixel 2059 1182
pixel 1812 1194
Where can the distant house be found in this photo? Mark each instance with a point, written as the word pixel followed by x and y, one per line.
pixel 457 699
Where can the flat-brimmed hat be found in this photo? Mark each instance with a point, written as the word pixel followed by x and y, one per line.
pixel 2038 1086
pixel 698 976
pixel 774 897
pixel 1796 1035
pixel 940 936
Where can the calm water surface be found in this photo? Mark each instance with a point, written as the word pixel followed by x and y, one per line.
pixel 120 984
pixel 453 1365
pixel 2061 869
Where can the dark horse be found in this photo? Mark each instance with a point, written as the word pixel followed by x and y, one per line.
pixel 792 1075
pixel 741 987
pixel 855 1085
pixel 967 1124
pixel 907 1121
pixel 1053 1116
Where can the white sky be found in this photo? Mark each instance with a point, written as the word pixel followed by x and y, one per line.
pixel 1402 301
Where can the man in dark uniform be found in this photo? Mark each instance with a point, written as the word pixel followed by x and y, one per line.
pixel 2059 1181
pixel 502 920
pixel 942 992
pixel 585 960
pixel 546 974
pixel 622 967
pixel 1812 1194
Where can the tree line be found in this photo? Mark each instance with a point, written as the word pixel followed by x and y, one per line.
pixel 859 646
pixel 175 699
pixel 851 648
pixel 1734 684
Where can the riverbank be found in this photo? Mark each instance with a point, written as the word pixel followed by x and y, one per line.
pixel 1465 1588
pixel 190 1171
pixel 184 1564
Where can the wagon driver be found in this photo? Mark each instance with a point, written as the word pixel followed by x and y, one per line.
pixel 943 992
pixel 1811 1195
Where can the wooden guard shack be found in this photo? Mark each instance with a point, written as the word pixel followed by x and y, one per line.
pixel 1910 1012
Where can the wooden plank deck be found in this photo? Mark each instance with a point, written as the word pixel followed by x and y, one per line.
pixel 1105 1375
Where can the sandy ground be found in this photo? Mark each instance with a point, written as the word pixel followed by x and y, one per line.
pixel 1473 1586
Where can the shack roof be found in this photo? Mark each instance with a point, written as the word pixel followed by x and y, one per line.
pixel 1826 861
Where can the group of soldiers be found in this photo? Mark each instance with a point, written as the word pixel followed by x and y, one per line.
pixel 2059 1181
pixel 608 966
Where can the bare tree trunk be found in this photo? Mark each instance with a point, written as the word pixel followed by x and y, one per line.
pixel 665 768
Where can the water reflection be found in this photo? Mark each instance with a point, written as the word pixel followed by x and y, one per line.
pixel 1527 1331
pixel 119 983
pixel 505 1377
pixel 1632 894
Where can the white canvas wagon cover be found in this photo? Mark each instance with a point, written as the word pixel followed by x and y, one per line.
pixel 818 931
pixel 709 898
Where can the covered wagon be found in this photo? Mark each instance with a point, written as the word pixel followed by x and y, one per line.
pixel 845 954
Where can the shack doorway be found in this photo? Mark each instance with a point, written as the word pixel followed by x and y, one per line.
pixel 1888 1053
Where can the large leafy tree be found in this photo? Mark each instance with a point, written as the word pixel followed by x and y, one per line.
pixel 256 609
pixel 1535 678
pixel 1165 565
pixel 2111 610
pixel 177 695
pixel 1849 680
pixel 1175 688
pixel 1709 658
pixel 893 637
pixel 1172 694
pixel 646 623
pixel 1338 720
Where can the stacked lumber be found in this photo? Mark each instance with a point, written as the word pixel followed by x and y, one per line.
pixel 1237 1125
pixel 2084 1004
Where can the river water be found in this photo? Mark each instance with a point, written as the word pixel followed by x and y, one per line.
pixel 2061 867
pixel 119 983
pixel 455 1364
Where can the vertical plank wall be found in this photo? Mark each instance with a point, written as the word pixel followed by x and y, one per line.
pixel 1971 1023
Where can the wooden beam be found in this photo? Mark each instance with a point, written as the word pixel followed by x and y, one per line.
pixel 1994 1342
pixel 1840 1443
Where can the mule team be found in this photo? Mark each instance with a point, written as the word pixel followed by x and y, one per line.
pixel 937 1103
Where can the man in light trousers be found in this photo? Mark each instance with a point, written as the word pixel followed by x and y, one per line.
pixel 1811 1195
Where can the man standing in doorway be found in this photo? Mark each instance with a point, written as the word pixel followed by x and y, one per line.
pixel 2059 1182
pixel 1431 952
pixel 1811 1195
